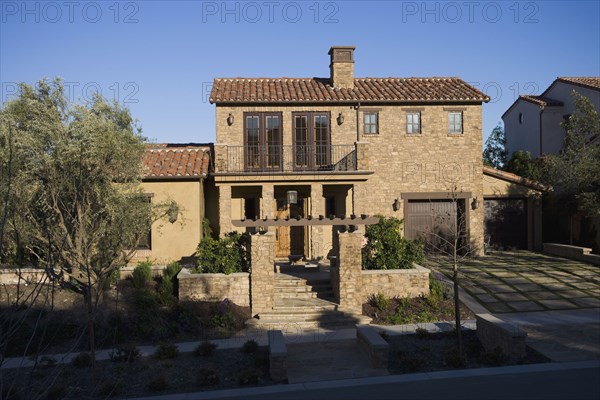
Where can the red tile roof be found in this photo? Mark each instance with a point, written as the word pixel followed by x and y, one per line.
pixel 514 178
pixel 542 101
pixel 592 82
pixel 305 90
pixel 166 160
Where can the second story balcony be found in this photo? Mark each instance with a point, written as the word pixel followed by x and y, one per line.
pixel 273 159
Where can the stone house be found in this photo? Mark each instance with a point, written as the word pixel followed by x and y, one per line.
pixel 533 123
pixel 339 146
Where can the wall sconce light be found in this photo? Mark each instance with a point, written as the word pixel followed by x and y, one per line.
pixel 340 119
pixel 230 120
pixel 396 205
pixel 292 197
pixel 475 203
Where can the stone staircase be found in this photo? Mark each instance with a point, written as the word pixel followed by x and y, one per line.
pixel 305 301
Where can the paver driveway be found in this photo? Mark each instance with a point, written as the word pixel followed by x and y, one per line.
pixel 524 281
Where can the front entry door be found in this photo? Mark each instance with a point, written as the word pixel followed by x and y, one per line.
pixel 289 240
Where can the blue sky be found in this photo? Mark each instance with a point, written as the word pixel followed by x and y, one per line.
pixel 159 57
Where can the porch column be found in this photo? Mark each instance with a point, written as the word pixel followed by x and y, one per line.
pixel 225 225
pixel 346 277
pixel 267 201
pixel 317 207
pixel 262 278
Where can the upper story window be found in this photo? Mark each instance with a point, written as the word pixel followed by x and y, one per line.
pixel 262 141
pixel 145 240
pixel 413 123
pixel 455 123
pixel 371 123
pixel 312 139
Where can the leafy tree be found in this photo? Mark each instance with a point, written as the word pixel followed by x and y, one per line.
pixel 75 204
pixel 575 172
pixel 387 249
pixel 495 153
pixel 523 165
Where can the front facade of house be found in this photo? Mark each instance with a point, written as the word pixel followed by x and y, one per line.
pixel 533 123
pixel 338 146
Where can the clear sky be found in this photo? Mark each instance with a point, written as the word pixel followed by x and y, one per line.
pixel 159 57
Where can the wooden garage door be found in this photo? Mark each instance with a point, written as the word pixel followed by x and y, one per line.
pixel 506 223
pixel 427 217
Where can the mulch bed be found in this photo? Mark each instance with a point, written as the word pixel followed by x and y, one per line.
pixel 227 368
pixel 437 352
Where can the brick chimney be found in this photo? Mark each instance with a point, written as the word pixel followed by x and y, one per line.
pixel 342 67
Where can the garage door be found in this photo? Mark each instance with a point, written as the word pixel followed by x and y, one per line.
pixel 432 220
pixel 506 223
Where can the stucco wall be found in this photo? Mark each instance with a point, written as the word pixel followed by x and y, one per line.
pixel 174 241
pixel 395 282
pixel 214 287
pixel 523 136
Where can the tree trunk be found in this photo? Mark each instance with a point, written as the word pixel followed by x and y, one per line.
pixel 457 310
pixel 90 323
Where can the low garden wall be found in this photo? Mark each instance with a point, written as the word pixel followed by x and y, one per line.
pixel 412 282
pixel 14 276
pixel 574 252
pixel 214 287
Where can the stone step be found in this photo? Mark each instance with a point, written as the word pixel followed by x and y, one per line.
pixel 295 322
pixel 295 295
pixel 290 289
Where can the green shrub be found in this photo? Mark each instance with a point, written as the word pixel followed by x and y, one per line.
pixel 387 249
pixel 165 292
pixel 158 384
pixel 249 377
pixel 82 360
pixel 437 292
pixel 379 301
pixel 224 255
pixel 251 346
pixel 454 359
pixel 422 333
pixel 412 364
pixel 166 351
pixel 171 270
pixel 494 358
pixel 142 274
pixel 208 377
pixel 205 349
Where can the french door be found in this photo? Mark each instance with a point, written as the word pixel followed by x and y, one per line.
pixel 312 140
pixel 262 141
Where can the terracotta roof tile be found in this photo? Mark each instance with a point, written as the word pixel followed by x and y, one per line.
pixel 401 90
pixel 165 160
pixel 542 101
pixel 592 82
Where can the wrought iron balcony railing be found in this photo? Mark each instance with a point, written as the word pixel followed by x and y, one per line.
pixel 273 158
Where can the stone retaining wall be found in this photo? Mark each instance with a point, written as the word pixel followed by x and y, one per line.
pixel 494 333
pixel 215 287
pixel 395 282
pixel 574 252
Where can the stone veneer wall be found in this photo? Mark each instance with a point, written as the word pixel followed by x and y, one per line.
pixel 215 287
pixel 262 279
pixel 395 282
pixel 14 276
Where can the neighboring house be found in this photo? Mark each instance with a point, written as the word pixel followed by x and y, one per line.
pixel 175 172
pixel 337 146
pixel 513 210
pixel 533 123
